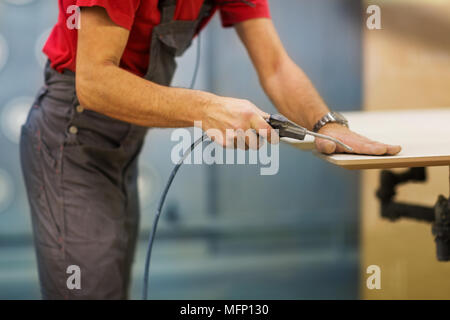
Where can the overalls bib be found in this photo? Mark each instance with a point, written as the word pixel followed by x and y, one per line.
pixel 80 170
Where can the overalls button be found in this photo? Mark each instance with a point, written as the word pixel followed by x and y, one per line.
pixel 73 130
pixel 80 109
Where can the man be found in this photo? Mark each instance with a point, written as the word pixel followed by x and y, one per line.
pixel 106 83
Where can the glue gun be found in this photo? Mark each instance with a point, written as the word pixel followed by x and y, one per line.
pixel 287 128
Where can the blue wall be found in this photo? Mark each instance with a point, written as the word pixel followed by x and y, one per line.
pixel 227 232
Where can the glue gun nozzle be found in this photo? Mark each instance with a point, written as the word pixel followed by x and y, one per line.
pixel 322 136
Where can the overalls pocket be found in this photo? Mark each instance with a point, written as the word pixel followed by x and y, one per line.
pixel 96 130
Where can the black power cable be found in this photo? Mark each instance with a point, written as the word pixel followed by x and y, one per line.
pixel 158 213
pixel 168 184
pixel 197 62
pixel 176 168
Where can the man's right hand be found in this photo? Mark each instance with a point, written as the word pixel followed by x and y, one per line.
pixel 228 120
pixel 104 87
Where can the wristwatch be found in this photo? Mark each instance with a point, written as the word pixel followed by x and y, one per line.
pixel 330 117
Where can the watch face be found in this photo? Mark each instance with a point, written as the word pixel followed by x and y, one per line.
pixel 331 117
pixel 339 117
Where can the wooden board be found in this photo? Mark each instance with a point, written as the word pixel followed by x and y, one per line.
pixel 406 66
pixel 423 134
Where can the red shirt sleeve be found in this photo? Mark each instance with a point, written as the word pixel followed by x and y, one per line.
pixel 237 11
pixel 121 12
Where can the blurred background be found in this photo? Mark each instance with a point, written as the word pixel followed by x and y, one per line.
pixel 227 232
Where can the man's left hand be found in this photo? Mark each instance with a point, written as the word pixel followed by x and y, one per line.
pixel 359 143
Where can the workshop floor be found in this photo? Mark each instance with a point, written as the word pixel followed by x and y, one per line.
pixel 185 270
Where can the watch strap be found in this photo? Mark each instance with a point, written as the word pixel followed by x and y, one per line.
pixel 330 117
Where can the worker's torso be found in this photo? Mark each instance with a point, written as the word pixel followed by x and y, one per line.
pixel 141 17
pixel 61 45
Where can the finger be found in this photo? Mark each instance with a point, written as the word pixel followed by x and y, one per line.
pixel 217 136
pixel 263 114
pixel 271 135
pixel 359 143
pixel 378 148
pixel 325 146
pixel 363 145
pixel 230 139
pixel 240 140
pixel 373 148
pixel 263 128
pixel 393 150
pixel 252 139
pixel 241 144
pixel 258 123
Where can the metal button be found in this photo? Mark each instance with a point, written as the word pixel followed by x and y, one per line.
pixel 73 130
pixel 80 108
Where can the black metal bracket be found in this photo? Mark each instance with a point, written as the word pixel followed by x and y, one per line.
pixel 438 216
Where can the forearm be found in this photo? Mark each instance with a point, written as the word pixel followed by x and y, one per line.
pixel 283 81
pixel 104 87
pixel 112 91
pixel 293 93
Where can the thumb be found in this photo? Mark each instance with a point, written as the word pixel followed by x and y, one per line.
pixel 325 146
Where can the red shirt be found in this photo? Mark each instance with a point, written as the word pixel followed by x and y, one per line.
pixel 138 16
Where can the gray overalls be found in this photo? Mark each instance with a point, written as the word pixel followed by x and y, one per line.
pixel 80 170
